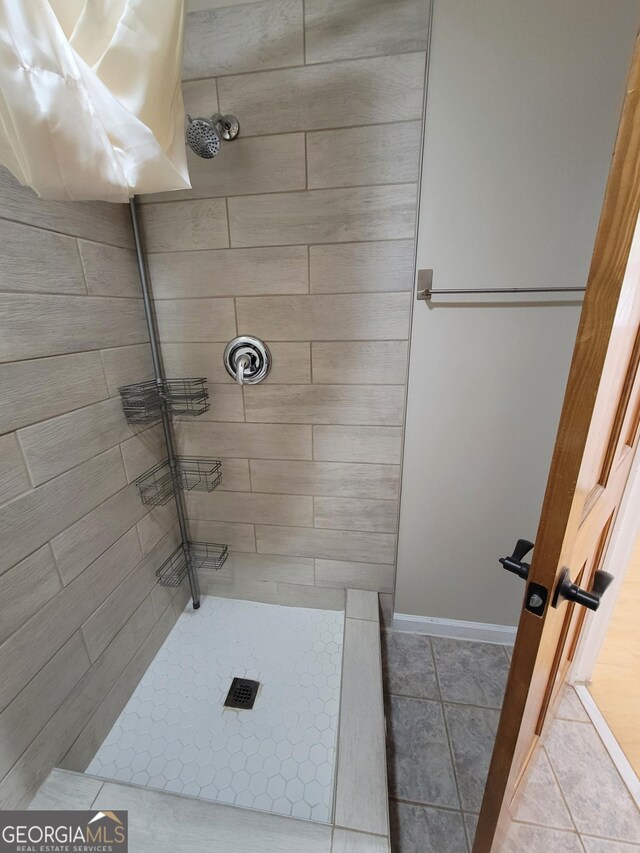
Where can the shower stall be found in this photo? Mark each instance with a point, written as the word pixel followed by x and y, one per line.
pixel 202 397
pixel 183 729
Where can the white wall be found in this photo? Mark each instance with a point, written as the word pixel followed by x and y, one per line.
pixel 522 110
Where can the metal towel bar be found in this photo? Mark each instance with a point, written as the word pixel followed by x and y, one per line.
pixel 425 291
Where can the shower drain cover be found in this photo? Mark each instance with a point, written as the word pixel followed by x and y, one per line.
pixel 242 693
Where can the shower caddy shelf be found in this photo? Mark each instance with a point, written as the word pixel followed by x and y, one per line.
pixel 197 555
pixel 143 402
pixel 193 473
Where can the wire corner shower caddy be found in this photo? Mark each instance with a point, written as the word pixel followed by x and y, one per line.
pixel 190 473
pixel 191 555
pixel 143 402
pixel 157 400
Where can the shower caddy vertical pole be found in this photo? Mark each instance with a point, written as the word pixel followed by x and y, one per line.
pixel 158 369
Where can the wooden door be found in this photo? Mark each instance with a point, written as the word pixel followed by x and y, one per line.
pixel 596 440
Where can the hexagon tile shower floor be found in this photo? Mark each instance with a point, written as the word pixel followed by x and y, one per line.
pixel 176 734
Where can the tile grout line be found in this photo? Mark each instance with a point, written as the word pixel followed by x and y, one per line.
pixel 83 639
pixel 324 243
pixel 450 809
pixel 82 264
pixel 334 461
pixel 446 727
pixel 81 295
pixel 562 831
pixel 443 701
pixel 343 189
pixel 304 33
pixel 435 671
pixel 467 832
pixel 228 218
pixel 27 224
pixel 365 832
pixel 316 130
pixel 27 468
pixel 58 354
pixel 318 461
pixel 104 369
pixel 560 788
pixel 55 562
pixel 449 742
pixel 632 844
pixel 226 385
pixel 302 67
pixel 98 792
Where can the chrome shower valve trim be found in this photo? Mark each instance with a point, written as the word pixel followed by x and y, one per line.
pixel 247 360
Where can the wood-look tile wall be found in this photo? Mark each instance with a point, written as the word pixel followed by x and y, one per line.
pixel 78 602
pixel 300 232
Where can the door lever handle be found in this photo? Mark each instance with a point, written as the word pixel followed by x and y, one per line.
pixel 587 598
pixel 515 563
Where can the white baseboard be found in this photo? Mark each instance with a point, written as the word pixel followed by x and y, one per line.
pixel 455 629
pixel 612 746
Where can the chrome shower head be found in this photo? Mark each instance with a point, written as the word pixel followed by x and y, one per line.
pixel 203 134
pixel 202 137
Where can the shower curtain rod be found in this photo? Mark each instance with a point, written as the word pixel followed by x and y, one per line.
pixel 160 376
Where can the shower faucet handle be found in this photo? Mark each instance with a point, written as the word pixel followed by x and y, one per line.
pixel 242 363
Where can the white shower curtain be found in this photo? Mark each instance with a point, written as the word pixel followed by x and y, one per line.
pixel 90 98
